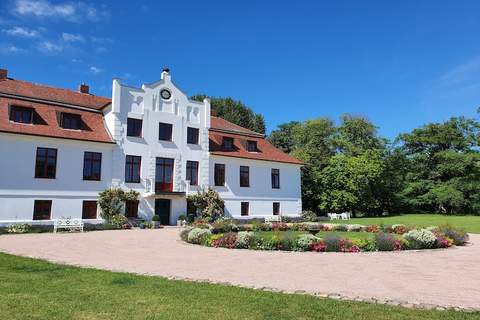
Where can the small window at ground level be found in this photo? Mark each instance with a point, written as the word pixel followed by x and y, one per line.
pixel 245 208
pixel 219 175
pixel 276 208
pixel 165 131
pixel 42 210
pixel 252 146
pixel 71 121
pixel 134 127
pixel 89 209
pixel 131 208
pixel 21 114
pixel 192 135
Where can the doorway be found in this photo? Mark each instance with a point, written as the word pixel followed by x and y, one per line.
pixel 162 209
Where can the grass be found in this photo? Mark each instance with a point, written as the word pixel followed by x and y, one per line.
pixel 468 223
pixel 35 289
pixel 346 235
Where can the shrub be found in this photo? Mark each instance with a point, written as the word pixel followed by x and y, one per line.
pixel 118 220
pixel 333 243
pixel 400 228
pixel 111 201
pixel 327 227
pixel 245 239
pixel 226 241
pixel 420 239
pixel 257 226
pixel 304 241
pixel 365 244
pixel 224 225
pixel 386 228
pixel 18 228
pixel 320 246
pixel 355 227
pixel 209 202
pixel 442 241
pixel 287 242
pixel 156 218
pixel 309 216
pixel 373 228
pixel 458 236
pixel 340 227
pixel 279 226
pixel 183 233
pixel 197 235
pixel 386 242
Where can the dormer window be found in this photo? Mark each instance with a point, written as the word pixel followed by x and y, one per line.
pixel 21 114
pixel 227 144
pixel 70 121
pixel 252 146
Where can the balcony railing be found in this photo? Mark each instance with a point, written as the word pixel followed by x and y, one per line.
pixel 152 187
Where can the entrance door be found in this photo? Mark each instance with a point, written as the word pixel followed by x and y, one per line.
pixel 162 209
pixel 164 175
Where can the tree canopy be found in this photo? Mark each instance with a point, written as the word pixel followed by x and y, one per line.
pixel 235 111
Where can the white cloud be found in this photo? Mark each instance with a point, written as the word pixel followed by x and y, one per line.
pixel 49 47
pixel 10 49
pixel 95 70
pixel 70 11
pixel 461 73
pixel 69 37
pixel 22 32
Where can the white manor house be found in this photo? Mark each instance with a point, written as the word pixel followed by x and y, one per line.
pixel 60 148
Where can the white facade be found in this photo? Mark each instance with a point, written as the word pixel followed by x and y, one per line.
pixel 19 188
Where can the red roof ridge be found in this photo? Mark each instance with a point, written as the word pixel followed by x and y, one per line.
pixel 220 124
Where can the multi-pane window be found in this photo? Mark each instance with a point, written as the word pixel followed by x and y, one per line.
pixel 134 127
pixel 92 166
pixel 252 146
pixel 219 174
pixel 89 209
pixel 192 172
pixel 275 178
pixel 21 114
pixel 165 131
pixel 276 208
pixel 227 143
pixel 164 174
pixel 244 208
pixel 192 135
pixel 131 208
pixel 42 209
pixel 244 176
pixel 132 168
pixel 46 163
pixel 71 121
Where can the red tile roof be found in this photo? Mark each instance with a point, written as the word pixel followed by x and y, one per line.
pixel 47 104
pixel 39 91
pixel 266 151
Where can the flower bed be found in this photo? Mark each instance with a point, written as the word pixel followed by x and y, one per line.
pixel 321 237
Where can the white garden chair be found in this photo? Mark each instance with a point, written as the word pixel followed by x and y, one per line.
pixel 345 215
pixel 333 216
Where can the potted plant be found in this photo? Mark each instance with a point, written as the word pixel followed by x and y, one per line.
pixel 182 220
pixel 156 221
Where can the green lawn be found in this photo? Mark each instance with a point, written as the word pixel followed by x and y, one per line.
pixel 346 235
pixel 34 289
pixel 468 223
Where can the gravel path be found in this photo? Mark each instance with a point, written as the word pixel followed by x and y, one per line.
pixel 437 277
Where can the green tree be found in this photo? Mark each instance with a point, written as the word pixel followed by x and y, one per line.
pixel 235 111
pixel 357 135
pixel 282 137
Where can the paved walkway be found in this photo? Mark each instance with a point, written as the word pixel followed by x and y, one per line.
pixel 440 277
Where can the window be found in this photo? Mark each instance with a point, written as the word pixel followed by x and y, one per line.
pixel 245 208
pixel 70 121
pixel 131 208
pixel 89 210
pixel 244 176
pixel 21 114
pixel 92 166
pixel 46 163
pixel 132 168
pixel 165 131
pixel 219 174
pixel 164 174
pixel 134 127
pixel 276 208
pixel 252 146
pixel 192 135
pixel 192 172
pixel 227 144
pixel 42 209
pixel 275 178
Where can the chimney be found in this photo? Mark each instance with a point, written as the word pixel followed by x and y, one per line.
pixel 166 74
pixel 83 88
pixel 3 74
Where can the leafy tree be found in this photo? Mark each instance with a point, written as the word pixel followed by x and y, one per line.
pixel 357 135
pixel 282 138
pixel 112 201
pixel 235 111
pixel 208 202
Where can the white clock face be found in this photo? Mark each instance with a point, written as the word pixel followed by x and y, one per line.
pixel 165 94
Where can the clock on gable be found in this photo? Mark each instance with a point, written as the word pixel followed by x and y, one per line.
pixel 165 94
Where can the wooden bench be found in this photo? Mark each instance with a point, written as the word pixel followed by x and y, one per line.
pixel 68 223
pixel 273 219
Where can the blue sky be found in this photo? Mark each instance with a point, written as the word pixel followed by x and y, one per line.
pixel 400 64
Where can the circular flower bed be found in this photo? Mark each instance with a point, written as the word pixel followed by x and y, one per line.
pixel 321 237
